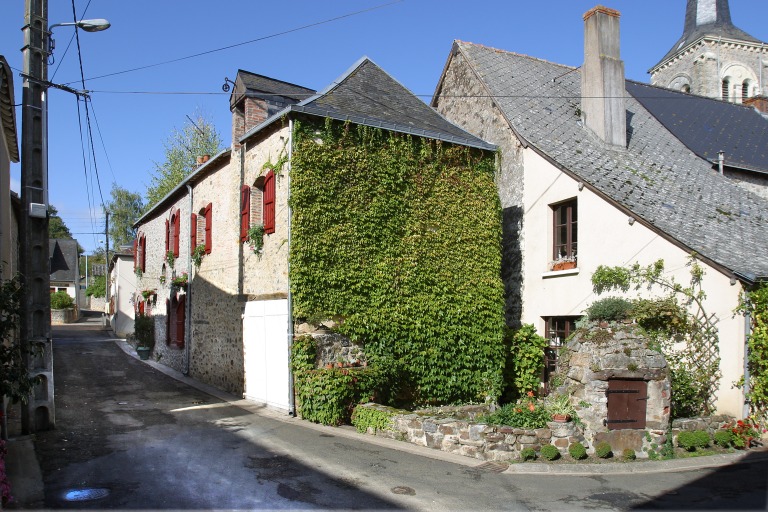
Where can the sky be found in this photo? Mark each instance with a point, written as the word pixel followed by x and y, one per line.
pixel 164 60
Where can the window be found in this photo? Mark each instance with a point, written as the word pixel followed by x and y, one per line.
pixel 745 91
pixel 208 213
pixel 192 232
pixel 172 230
pixel 565 231
pixel 140 253
pixel 557 331
pixel 269 203
pixel 726 85
pixel 245 212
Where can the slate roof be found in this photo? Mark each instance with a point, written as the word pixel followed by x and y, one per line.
pixel 721 27
pixel 268 86
pixel 707 125
pixel 656 178
pixel 63 255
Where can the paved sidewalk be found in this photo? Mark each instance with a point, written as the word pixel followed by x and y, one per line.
pixel 26 479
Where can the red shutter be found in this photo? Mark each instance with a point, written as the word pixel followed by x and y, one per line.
pixel 245 212
pixel 168 323
pixel 176 232
pixel 192 232
pixel 180 321
pixel 143 250
pixel 167 234
pixel 135 254
pixel 269 203
pixel 208 228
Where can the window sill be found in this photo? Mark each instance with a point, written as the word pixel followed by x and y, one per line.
pixel 560 273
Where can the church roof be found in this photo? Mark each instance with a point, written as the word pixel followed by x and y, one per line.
pixel 707 18
pixel 707 126
pixel 656 178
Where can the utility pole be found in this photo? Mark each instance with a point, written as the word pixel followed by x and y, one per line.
pixel 35 328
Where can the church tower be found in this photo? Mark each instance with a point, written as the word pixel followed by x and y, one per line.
pixel 714 58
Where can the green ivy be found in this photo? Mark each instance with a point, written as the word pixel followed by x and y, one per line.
pixel 401 237
pixel 364 418
pixel 15 382
pixel 526 359
pixel 197 255
pixel 755 303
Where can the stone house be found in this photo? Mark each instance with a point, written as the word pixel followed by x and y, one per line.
pixel 65 269
pixel 228 228
pixel 590 176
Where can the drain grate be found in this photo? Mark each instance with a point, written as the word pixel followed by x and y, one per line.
pixel 402 489
pixel 492 467
pixel 86 494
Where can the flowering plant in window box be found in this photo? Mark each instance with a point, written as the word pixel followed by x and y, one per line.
pixel 162 279
pixel 180 281
pixel 563 263
pixel 197 255
pixel 148 293
pixel 255 238
pixel 170 258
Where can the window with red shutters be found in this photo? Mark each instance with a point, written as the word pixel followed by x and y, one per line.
pixel 245 212
pixel 269 203
pixel 208 228
pixel 176 233
pixel 193 232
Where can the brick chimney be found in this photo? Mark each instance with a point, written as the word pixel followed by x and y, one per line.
pixel 603 107
pixel 248 113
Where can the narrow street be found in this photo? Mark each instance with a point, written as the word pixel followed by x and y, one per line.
pixel 129 436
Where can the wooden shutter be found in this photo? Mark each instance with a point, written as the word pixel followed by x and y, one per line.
pixel 135 255
pixel 192 232
pixel 269 203
pixel 245 212
pixel 167 239
pixel 180 321
pixel 168 322
pixel 176 232
pixel 208 228
pixel 143 251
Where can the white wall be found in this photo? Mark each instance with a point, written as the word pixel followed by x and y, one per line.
pixel 606 237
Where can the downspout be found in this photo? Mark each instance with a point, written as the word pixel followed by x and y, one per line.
pixel 188 303
pixel 291 397
pixel 720 160
pixel 747 332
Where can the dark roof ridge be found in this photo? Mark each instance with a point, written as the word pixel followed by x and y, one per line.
pixel 273 79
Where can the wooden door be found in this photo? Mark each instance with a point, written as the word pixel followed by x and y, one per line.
pixel 627 400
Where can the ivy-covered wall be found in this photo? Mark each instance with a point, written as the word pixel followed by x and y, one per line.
pixel 400 237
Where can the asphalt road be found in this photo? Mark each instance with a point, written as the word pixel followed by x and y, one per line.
pixel 131 437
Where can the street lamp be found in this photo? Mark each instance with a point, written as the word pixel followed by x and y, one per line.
pixel 95 25
pixel 35 327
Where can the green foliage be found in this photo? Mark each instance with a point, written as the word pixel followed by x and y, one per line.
pixel 170 258
pixel 98 288
pixel 603 450
pixel 528 412
pixel 525 359
pixel 744 432
pixel 144 330
pixel 401 237
pixel 690 440
pixel 364 418
pixel 15 382
pixel 255 238
pixel 527 454
pixel 197 255
pixel 124 208
pixel 755 303
pixel 577 451
pixel 724 438
pixel 609 309
pixel 181 151
pixel 678 325
pixel 559 404
pixel 56 226
pixel 61 300
pixel 628 454
pixel 550 452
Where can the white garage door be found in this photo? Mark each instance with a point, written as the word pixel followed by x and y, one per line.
pixel 265 347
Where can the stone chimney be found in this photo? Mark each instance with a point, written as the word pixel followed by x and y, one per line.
pixel 603 107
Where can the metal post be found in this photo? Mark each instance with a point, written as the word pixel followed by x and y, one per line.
pixel 35 329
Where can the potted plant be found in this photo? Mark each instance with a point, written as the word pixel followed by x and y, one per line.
pixel 170 258
pixel 180 281
pixel 563 263
pixel 255 238
pixel 150 295
pixel 560 408
pixel 197 255
pixel 144 330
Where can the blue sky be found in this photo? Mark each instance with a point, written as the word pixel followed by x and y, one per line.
pixel 133 113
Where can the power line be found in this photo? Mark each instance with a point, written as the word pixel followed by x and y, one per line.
pixel 271 36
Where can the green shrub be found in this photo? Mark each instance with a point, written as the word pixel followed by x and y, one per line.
pixel 527 412
pixel 61 300
pixel 550 452
pixel 609 309
pixel 98 288
pixel 724 438
pixel 527 454
pixel 577 451
pixel 603 450
pixel 628 454
pixel 690 440
pixel 144 330
pixel 364 418
pixel 525 359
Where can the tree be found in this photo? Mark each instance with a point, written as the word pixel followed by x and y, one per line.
pixel 56 226
pixel 124 210
pixel 182 148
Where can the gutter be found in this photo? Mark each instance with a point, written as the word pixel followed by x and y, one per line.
pixel 188 302
pixel 291 394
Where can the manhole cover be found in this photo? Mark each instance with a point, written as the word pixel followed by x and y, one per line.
pixel 401 489
pixel 86 494
pixel 492 467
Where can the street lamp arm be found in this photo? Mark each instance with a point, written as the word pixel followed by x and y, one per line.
pixel 95 25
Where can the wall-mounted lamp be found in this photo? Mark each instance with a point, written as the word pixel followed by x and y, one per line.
pixel 226 87
pixel 733 280
pixel 631 220
pixel 581 186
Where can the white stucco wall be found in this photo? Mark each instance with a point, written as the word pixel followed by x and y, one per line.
pixel 123 288
pixel 606 237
